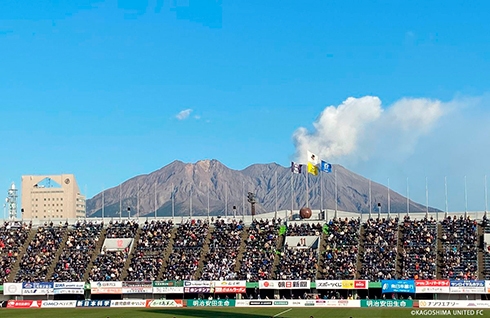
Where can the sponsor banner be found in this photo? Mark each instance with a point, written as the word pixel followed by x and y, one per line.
pixel 128 303
pixel 168 290
pixel 168 283
pixel 211 303
pixel 454 304
pixel 137 288
pixel 229 283
pixel 12 288
pixel 106 287
pixel 487 286
pixel 164 303
pixel 42 288
pixel 58 304
pixel 342 284
pixel 198 290
pixel 71 288
pixel 398 286
pixel 93 303
pixel 230 290
pixel 467 287
pixel 334 303
pixel 260 302
pixel 284 284
pixel 24 304
pixel 432 286
pixel 386 303
pixel 198 283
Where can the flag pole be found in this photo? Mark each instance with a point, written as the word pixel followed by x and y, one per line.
pixel 389 203
pixel 275 215
pixel 292 193
pixel 120 203
pixel 190 202
pixel 173 202
pixel 326 210
pixel 138 200
pixel 336 194
pixel 408 199
pixel 321 192
pixel 426 198
pixel 208 200
pixel 103 203
pixel 486 197
pixel 445 194
pixel 465 199
pixel 243 201
pixel 226 201
pixel 370 200
pixel 307 196
pixel 155 200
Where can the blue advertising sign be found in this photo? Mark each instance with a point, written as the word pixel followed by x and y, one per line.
pixel 398 286
pixel 93 303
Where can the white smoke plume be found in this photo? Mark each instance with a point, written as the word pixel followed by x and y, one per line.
pixel 361 127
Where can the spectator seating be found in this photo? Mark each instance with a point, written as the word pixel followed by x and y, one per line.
pixel 298 263
pixel 378 260
pixel 109 264
pixel 418 257
pixel 12 237
pixel 152 243
pixel 259 253
pixel 459 248
pixel 220 261
pixel 75 257
pixel 304 229
pixel 187 249
pixel 40 253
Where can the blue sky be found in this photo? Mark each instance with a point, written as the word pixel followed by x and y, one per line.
pixel 94 88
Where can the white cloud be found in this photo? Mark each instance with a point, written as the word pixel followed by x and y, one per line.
pixel 360 127
pixel 184 114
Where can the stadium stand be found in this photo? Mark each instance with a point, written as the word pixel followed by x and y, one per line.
pixel 40 253
pixel 304 229
pixel 459 248
pixel 109 264
pixel 259 253
pixel 12 237
pixel 341 246
pixel 298 262
pixel 152 243
pixel 187 249
pixel 220 261
pixel 74 260
pixel 380 249
pixel 418 255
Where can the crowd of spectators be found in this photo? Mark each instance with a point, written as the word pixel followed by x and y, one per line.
pixel 419 257
pixel 152 243
pixel 380 249
pixel 187 249
pixel 220 261
pixel 341 249
pixel 298 263
pixel 459 248
pixel 304 229
pixel 75 257
pixel 40 253
pixel 109 264
pixel 258 257
pixel 12 237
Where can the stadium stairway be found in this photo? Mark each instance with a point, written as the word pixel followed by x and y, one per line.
pixel 321 254
pixel 241 249
pixel 95 253
pixel 132 253
pixel 204 252
pixel 360 250
pixel 277 258
pixel 439 251
pixel 481 266
pixel 23 249
pixel 399 251
pixel 168 252
pixel 57 255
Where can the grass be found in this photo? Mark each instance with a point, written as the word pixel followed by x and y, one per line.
pixel 217 313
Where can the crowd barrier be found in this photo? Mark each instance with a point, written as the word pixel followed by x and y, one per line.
pixel 240 287
pixel 266 303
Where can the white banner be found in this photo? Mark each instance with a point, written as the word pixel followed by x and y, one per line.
pixel 332 303
pixel 71 288
pixel 284 284
pixel 342 284
pixel 12 289
pixel 197 283
pixel 58 304
pixel 229 283
pixel 128 303
pixel 168 290
pixel 164 303
pixel 106 287
pixel 454 304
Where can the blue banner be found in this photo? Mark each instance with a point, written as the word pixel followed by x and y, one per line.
pixel 398 286
pixel 93 303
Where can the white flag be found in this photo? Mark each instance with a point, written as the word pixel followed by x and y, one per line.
pixel 313 158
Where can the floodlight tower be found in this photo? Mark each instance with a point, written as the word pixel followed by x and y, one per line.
pixel 251 200
pixel 12 202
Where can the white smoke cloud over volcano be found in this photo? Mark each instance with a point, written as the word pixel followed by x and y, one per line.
pixel 359 128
